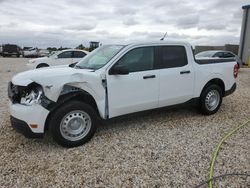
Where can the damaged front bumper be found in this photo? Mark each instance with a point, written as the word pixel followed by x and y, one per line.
pixel 23 118
pixel 22 127
pixel 28 114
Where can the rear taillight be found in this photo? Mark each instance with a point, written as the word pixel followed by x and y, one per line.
pixel 236 68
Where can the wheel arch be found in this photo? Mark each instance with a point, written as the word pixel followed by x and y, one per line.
pixel 216 81
pixel 40 65
pixel 72 93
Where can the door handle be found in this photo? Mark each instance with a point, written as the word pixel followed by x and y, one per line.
pixel 185 72
pixel 148 76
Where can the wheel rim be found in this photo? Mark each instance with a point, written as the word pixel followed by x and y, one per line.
pixel 212 100
pixel 75 125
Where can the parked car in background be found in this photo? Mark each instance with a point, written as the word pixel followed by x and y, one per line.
pixel 115 80
pixel 43 53
pixel 1 50
pixel 10 50
pixel 63 57
pixel 218 54
pixel 32 52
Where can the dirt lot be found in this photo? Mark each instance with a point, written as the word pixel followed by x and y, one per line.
pixel 161 148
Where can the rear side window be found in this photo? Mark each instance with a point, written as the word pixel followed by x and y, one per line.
pixel 78 54
pixel 67 54
pixel 173 56
pixel 228 55
pixel 219 54
pixel 138 59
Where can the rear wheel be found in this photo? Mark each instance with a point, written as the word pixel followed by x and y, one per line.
pixel 73 124
pixel 210 99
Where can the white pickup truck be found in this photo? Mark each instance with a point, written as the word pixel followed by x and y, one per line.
pixel 115 80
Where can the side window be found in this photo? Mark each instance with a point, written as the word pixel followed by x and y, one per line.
pixel 138 59
pixel 78 54
pixel 219 54
pixel 173 56
pixel 228 55
pixel 67 54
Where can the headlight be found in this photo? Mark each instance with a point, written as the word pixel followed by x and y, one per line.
pixel 32 96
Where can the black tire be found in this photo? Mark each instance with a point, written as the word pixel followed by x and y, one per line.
pixel 41 65
pixel 56 121
pixel 204 109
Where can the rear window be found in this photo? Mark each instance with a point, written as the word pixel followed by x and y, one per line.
pixel 67 54
pixel 173 56
pixel 9 47
pixel 228 55
pixel 78 54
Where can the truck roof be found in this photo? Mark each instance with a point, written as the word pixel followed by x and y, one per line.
pixel 160 42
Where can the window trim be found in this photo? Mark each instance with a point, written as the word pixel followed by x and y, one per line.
pixel 155 59
pixel 160 58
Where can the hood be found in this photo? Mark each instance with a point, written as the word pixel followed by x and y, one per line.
pixel 46 76
pixel 37 59
pixel 53 79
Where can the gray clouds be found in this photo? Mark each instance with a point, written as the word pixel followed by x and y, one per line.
pixel 71 22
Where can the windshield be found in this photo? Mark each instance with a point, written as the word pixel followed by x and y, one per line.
pixel 205 54
pixel 99 57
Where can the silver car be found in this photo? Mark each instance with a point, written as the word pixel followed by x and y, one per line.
pixel 220 54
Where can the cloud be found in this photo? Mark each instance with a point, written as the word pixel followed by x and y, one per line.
pixel 71 22
pixel 125 11
pixel 188 21
pixel 130 21
pixel 81 26
pixel 213 26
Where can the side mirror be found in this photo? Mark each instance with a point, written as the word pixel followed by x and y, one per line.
pixel 119 69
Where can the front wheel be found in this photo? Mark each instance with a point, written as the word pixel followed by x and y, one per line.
pixel 73 124
pixel 210 99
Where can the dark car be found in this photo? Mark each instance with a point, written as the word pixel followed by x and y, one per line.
pixel 11 49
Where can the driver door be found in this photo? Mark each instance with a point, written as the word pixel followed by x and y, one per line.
pixel 138 90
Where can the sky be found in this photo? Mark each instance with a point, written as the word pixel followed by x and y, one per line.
pixel 69 23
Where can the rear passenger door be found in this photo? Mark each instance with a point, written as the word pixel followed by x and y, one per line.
pixel 176 76
pixel 78 55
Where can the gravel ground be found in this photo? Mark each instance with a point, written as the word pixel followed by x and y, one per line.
pixel 161 148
